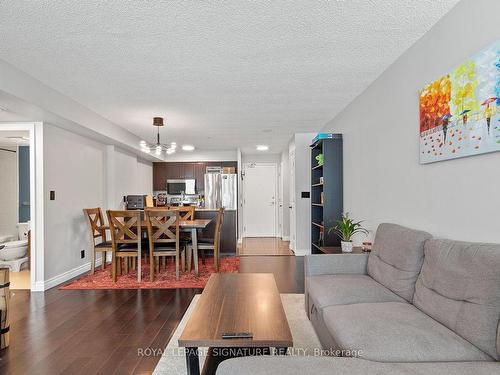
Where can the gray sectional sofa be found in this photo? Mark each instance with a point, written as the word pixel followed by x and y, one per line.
pixel 413 305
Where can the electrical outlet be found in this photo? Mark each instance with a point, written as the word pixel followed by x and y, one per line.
pixel 82 254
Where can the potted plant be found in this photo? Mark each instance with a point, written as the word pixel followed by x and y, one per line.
pixel 346 228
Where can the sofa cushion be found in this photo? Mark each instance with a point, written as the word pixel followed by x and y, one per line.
pixel 459 286
pixel 396 258
pixel 271 365
pixel 396 332
pixel 328 290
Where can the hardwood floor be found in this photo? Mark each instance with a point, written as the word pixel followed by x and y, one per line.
pixel 264 246
pixel 100 332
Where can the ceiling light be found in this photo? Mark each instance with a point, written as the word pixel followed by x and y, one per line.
pixel 262 148
pixel 188 148
pixel 157 146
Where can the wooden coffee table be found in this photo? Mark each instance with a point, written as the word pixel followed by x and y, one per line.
pixel 238 302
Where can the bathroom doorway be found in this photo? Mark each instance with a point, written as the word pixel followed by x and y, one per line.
pixel 21 204
pixel 15 213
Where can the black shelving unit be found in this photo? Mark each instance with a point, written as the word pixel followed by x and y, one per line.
pixel 326 181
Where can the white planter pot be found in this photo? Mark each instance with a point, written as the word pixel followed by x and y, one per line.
pixel 346 246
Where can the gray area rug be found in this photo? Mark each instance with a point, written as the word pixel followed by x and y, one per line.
pixel 305 341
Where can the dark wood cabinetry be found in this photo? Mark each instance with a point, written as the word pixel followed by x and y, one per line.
pixel 199 175
pixel 182 170
pixel 159 176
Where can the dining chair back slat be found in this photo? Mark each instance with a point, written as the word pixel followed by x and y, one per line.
pixel 97 230
pixel 125 227
pixel 96 221
pixel 185 212
pixel 163 230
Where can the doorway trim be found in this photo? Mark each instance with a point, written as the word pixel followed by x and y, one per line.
pixel 276 198
pixel 35 130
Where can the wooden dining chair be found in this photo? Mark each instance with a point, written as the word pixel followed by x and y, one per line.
pixel 98 236
pixel 126 238
pixel 185 212
pixel 209 243
pixel 163 234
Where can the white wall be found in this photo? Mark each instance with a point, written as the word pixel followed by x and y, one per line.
pixel 383 180
pixel 240 195
pixel 261 158
pixel 84 173
pixel 74 169
pixel 302 141
pixel 285 199
pixel 131 176
pixel 8 192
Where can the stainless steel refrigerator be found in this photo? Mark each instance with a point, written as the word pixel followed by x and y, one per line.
pixel 221 191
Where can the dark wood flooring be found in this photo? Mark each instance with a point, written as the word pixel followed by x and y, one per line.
pixel 99 332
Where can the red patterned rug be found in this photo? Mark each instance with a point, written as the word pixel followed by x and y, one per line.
pixel 164 280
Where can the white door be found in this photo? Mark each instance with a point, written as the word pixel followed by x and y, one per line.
pixel 259 200
pixel 292 200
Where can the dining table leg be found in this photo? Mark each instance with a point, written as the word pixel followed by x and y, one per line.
pixel 194 238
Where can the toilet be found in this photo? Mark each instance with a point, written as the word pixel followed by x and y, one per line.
pixel 14 251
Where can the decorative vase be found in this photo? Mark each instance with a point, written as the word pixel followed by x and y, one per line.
pixel 346 246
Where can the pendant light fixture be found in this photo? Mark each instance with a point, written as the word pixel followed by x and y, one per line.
pixel 158 148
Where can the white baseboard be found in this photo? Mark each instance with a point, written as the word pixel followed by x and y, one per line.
pixel 37 286
pixel 285 238
pixel 68 275
pixel 302 252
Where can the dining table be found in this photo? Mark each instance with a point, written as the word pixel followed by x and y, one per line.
pixel 185 226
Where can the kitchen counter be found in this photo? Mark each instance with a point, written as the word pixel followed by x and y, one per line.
pixel 212 209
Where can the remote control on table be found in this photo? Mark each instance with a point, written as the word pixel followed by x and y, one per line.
pixel 237 335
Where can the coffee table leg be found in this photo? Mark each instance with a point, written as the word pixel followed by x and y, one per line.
pixel 281 351
pixel 192 361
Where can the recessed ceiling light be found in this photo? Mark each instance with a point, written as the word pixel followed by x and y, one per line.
pixel 262 148
pixel 187 148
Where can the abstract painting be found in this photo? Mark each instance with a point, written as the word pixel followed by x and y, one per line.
pixel 460 112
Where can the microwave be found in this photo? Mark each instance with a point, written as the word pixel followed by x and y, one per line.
pixel 178 187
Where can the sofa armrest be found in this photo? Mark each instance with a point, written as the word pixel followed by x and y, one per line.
pixel 331 264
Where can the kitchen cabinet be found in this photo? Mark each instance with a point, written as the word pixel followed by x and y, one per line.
pixel 184 170
pixel 199 175
pixel 188 170
pixel 174 171
pixel 159 176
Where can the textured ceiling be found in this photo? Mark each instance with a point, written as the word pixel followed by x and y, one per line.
pixel 224 74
